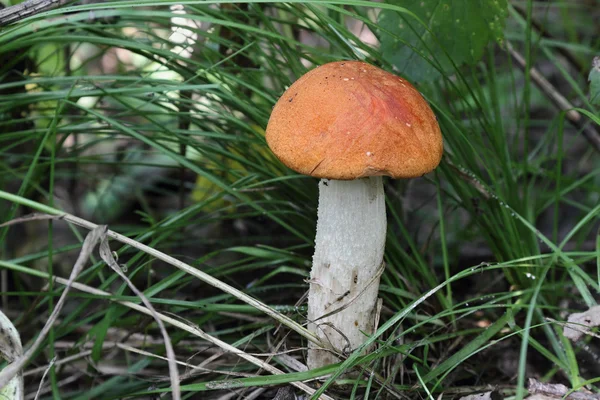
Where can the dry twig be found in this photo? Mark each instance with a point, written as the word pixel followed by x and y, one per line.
pixel 108 258
pixel 26 9
pixel 89 244
pixel 194 330
pixel 202 276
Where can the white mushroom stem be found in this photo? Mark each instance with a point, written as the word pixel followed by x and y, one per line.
pixel 347 265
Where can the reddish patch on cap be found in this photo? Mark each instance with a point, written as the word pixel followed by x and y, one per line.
pixel 350 120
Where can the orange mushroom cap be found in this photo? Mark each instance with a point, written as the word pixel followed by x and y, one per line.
pixel 348 119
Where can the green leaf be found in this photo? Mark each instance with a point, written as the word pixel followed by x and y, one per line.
pixel 594 79
pixel 101 331
pixel 446 32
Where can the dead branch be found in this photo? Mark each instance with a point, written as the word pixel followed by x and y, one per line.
pixel 26 9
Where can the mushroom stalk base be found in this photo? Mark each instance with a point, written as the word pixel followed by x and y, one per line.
pixel 347 265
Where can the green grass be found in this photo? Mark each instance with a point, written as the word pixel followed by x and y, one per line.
pixel 169 151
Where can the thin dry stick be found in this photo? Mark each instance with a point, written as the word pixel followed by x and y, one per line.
pixel 559 100
pixel 130 339
pixel 194 330
pixel 31 217
pixel 187 365
pixel 108 258
pixel 26 9
pixel 285 320
pixel 293 325
pixel 204 277
pixel 37 394
pixel 58 362
pixel 86 250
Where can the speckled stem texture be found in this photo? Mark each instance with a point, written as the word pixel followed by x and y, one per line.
pixel 346 267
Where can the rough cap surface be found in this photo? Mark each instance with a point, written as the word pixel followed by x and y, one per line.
pixel 347 120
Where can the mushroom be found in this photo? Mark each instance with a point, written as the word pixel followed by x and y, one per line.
pixel 350 123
